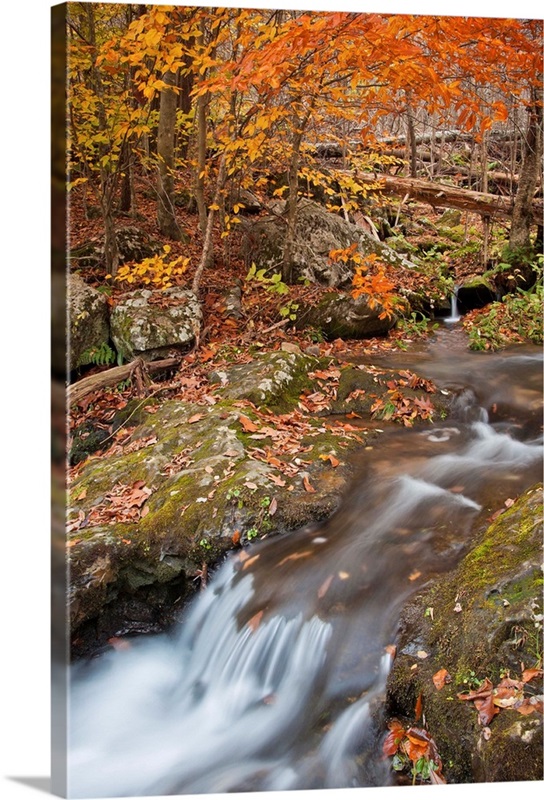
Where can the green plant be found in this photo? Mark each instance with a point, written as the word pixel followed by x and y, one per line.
pixel 416 325
pixel 101 355
pixel 252 533
pixel 273 283
pixel 517 318
pixel 205 544
pixel 234 494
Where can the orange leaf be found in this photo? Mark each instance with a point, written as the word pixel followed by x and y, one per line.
pixel 236 538
pixel 247 424
pixel 307 485
pixel 529 674
pixel 195 418
pixel 295 557
pixel 440 678
pixel 255 621
pixel 324 588
pixel 419 707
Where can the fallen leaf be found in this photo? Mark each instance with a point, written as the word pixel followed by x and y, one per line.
pixel 343 575
pixel 255 621
pixel 273 507
pixel 457 608
pixel 441 678
pixel 333 460
pixel 324 588
pixel 486 733
pixel 391 649
pixel 236 538
pixel 82 495
pixel 250 561
pixel 509 502
pixel 295 557
pixel 528 675
pixel 277 480
pixel 418 711
pixel 195 418
pixel 247 424
pixel 307 485
pixel 414 575
pixel 422 654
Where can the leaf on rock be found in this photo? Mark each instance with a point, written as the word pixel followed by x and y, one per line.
pixel 307 485
pixel 255 621
pixel 441 678
pixel 248 425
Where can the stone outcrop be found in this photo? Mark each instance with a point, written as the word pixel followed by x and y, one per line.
pixel 484 620
pixel 133 244
pixel 88 320
pixel 318 231
pixel 340 316
pixel 155 324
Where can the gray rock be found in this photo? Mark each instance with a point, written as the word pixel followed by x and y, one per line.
pixel 340 316
pixel 318 232
pixel 133 244
pixel 88 321
pixel 153 324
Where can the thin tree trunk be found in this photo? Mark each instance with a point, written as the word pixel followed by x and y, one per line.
pixel 166 217
pixel 207 248
pixel 201 128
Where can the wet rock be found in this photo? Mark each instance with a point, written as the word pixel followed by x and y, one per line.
pixel 89 325
pixel 155 324
pixel 485 622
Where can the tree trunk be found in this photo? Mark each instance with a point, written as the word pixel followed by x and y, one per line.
pixel 521 250
pixel 522 215
pixel 166 217
pixel 201 126
pixel 207 249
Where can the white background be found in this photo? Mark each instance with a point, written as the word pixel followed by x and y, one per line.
pixel 24 371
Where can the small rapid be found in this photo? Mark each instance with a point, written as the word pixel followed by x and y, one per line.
pixel 275 678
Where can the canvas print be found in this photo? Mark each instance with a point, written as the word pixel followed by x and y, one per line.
pixel 296 399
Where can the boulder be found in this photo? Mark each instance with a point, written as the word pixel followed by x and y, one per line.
pixel 318 231
pixel 482 621
pixel 271 380
pixel 88 321
pixel 133 244
pixel 338 315
pixel 155 324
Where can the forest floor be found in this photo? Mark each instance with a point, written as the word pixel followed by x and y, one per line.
pixel 225 339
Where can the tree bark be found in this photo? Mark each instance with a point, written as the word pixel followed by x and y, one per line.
pixel 437 194
pixel 523 214
pixel 168 224
pixel 77 391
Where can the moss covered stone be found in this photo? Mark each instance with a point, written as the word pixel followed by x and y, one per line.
pixel 484 623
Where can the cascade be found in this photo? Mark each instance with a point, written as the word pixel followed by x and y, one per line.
pixel 454 315
pixel 272 679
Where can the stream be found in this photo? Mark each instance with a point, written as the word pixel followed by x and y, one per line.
pixel 275 678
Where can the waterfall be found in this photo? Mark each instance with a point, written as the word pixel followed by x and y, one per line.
pixel 454 315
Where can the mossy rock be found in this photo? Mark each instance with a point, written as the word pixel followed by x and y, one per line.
pixel 482 625
pixel 208 494
pixel 272 380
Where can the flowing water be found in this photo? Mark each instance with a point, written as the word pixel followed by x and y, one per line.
pixel 275 678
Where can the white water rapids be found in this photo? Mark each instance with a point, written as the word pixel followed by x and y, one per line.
pixel 275 678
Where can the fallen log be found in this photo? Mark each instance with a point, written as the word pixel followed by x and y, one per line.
pixel 77 391
pixel 440 194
